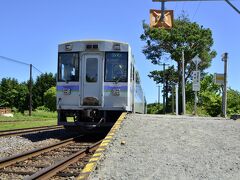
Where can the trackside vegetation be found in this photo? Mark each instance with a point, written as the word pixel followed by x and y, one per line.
pixel 15 95
pixel 186 39
pixel 23 120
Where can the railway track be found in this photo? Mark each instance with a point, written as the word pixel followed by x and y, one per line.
pixel 64 159
pixel 17 132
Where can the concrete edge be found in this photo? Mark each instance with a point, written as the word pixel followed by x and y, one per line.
pixel 92 163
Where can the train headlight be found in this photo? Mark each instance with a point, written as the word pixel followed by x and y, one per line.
pixel 116 92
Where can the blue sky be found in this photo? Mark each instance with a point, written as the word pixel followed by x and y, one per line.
pixel 31 30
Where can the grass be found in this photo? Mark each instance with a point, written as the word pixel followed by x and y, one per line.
pixel 38 118
pixel 23 124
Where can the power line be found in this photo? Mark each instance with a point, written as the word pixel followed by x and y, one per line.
pixel 196 10
pixel 19 62
pixel 14 60
pixel 235 8
pixel 37 69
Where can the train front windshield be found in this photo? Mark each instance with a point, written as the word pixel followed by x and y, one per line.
pixel 116 65
pixel 68 67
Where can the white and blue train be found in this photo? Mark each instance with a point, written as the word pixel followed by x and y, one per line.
pixel 96 82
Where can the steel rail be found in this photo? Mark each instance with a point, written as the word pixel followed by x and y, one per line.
pixel 50 171
pixel 28 130
pixel 4 162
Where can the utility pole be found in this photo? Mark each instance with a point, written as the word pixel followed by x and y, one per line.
pixel 30 91
pixel 158 95
pixel 164 87
pixel 173 87
pixel 196 81
pixel 164 90
pixel 183 86
pixel 176 98
pixel 224 59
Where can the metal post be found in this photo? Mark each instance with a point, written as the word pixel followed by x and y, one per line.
pixel 176 99
pixel 164 90
pixel 225 58
pixel 158 95
pixel 162 9
pixel 173 86
pixel 195 98
pixel 30 91
pixel 183 86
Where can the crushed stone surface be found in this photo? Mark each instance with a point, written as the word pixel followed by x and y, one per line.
pixel 172 147
pixel 12 145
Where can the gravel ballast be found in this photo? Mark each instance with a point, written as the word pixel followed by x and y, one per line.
pixel 13 145
pixel 172 147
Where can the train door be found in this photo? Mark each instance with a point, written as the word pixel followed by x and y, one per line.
pixel 92 80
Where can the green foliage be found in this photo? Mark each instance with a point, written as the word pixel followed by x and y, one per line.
pixel 211 103
pixel 185 36
pixel 38 115
pixel 233 102
pixel 50 99
pixel 8 92
pixel 22 124
pixel 41 114
pixel 169 77
pixel 13 94
pixel 210 96
pixel 154 108
pixel 42 84
pixel 42 108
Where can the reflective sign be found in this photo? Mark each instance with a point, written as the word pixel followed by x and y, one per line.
pixel 196 81
pixel 155 19
pixel 196 60
pixel 219 78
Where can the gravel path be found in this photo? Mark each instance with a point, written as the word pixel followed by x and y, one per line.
pixel 172 147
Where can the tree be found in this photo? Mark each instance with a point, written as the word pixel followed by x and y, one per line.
pixel 154 108
pixel 50 99
pixel 22 100
pixel 186 37
pixel 233 104
pixel 209 96
pixel 13 94
pixel 168 78
pixel 42 84
pixel 8 92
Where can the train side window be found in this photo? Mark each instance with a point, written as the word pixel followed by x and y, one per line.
pixel 68 67
pixel 131 74
pixel 137 78
pixel 92 70
pixel 116 67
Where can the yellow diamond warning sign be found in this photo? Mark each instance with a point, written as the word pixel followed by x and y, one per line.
pixel 155 19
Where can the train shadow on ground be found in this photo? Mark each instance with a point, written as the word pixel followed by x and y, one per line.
pixel 63 134
pixel 41 136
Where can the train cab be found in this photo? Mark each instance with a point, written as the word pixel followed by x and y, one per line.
pixel 95 82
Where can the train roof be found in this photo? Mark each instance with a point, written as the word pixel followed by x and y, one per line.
pixel 94 40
